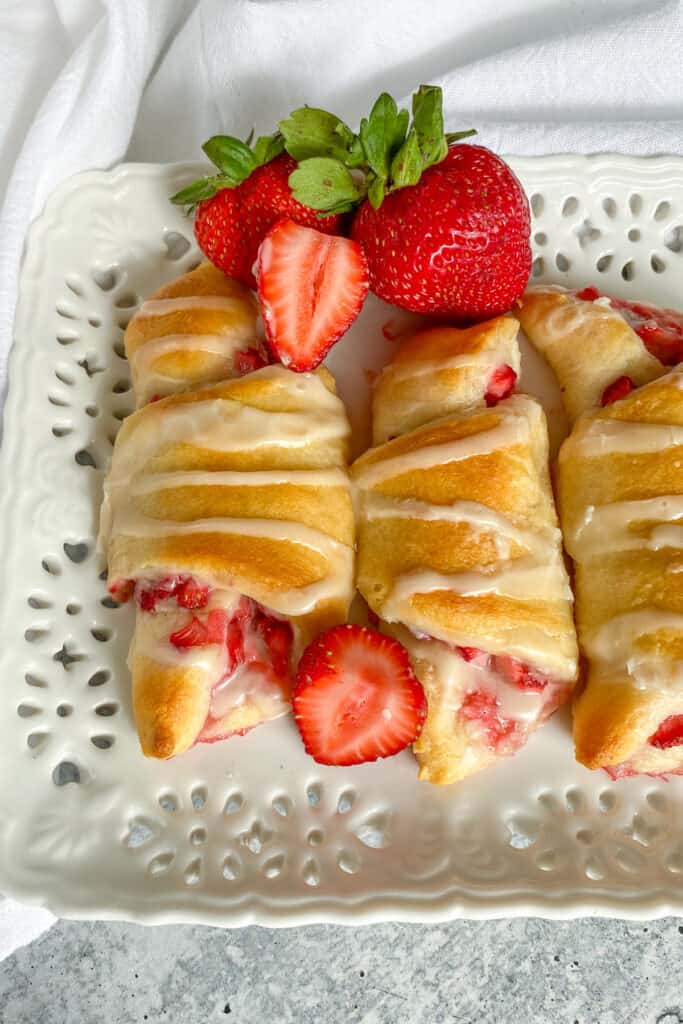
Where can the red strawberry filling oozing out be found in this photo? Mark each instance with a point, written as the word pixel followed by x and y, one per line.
pixel 503 733
pixel 257 648
pixel 661 330
pixel 248 360
pixel 185 589
pixel 500 385
pixel 669 734
pixel 620 388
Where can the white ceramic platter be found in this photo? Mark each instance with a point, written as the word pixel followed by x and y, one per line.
pixel 252 829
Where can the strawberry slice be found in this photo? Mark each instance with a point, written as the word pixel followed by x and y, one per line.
pixel 201 632
pixel 669 733
pixel 148 596
pixel 311 288
pixel 248 360
pixel 618 389
pixel 356 697
pixel 482 707
pixel 518 674
pixel 191 594
pixel 500 385
pixel 473 654
pixel 589 294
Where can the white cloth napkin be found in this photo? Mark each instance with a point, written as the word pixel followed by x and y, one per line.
pixel 84 82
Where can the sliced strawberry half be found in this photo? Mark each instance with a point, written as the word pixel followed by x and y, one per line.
pixel 356 697
pixel 500 385
pixel 311 288
pixel 619 389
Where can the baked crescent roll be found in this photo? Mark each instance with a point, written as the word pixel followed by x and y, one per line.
pixel 197 330
pixel 228 514
pixel 459 553
pixel 591 343
pixel 620 478
pixel 445 369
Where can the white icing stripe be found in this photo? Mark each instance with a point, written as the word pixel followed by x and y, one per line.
pixel 608 437
pixel 215 344
pixel 227 426
pixel 613 646
pixel 519 580
pixel 153 482
pixel 486 360
pixel 160 307
pixel 606 527
pixel 513 429
pixel 131 523
pixel 480 517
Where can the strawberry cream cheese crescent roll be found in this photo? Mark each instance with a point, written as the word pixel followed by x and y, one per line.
pixel 228 518
pixel 601 348
pixel 197 330
pixel 460 556
pixel 620 477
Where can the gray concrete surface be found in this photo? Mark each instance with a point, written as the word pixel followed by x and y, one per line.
pixel 499 972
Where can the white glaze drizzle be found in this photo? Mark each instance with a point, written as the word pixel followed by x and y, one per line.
pixel 181 303
pixel 601 437
pixel 511 430
pixel 606 527
pixel 153 482
pixel 481 518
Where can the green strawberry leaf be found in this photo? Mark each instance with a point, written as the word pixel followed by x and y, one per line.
pixel 456 136
pixel 323 184
pixel 383 133
pixel 232 157
pixel 267 147
pixel 342 207
pixel 376 193
pixel 428 123
pixel 407 165
pixel 198 190
pixel 355 157
pixel 310 132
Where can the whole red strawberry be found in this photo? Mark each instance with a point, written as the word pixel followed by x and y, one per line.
pixel 456 243
pixel 236 208
pixel 445 227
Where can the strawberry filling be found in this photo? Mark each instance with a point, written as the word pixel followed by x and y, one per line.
pixel 482 707
pixel 500 385
pixel 669 734
pixel 248 360
pixel 255 649
pixel 502 731
pixel 661 330
pixel 619 388
pixel 185 589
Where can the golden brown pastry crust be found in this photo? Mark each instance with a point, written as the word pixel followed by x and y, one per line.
pixel 163 340
pixel 488 471
pixel 242 485
pixel 440 370
pixel 628 572
pixel 587 344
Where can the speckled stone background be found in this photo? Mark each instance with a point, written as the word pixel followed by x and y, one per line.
pixel 497 972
